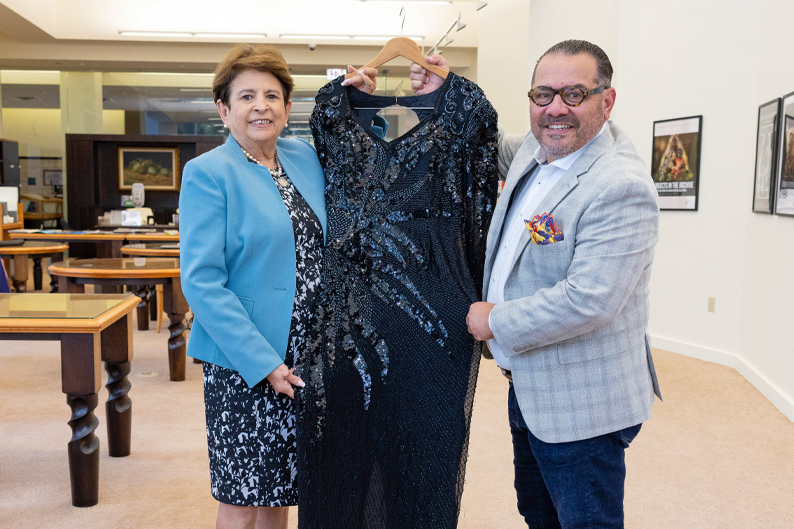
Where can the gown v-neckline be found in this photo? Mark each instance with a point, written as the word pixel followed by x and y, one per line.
pixel 376 99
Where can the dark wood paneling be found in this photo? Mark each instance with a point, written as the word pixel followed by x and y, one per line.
pixel 92 180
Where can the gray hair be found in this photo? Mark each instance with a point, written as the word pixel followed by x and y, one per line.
pixel 575 47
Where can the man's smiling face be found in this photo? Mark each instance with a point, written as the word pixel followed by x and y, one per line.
pixel 561 129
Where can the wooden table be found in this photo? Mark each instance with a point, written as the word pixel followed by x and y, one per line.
pixel 142 273
pixel 172 237
pixel 90 328
pixel 152 249
pixel 109 244
pixel 36 250
pixel 111 241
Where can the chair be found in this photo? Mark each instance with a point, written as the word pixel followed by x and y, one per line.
pixel 4 286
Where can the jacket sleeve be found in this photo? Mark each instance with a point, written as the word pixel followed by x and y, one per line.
pixel 508 147
pixel 614 246
pixel 222 314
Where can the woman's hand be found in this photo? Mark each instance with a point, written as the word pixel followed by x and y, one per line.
pixel 282 379
pixel 364 81
pixel 424 82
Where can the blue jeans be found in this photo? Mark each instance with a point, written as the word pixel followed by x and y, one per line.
pixel 574 485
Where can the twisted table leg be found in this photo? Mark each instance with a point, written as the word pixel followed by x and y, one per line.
pixel 118 409
pixel 83 450
pixel 143 307
pixel 176 346
pixel 176 307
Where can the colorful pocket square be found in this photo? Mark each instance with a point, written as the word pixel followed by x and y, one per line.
pixel 543 230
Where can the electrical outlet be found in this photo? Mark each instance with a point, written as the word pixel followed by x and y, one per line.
pixel 712 302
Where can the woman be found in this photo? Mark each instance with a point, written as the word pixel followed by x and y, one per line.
pixel 252 218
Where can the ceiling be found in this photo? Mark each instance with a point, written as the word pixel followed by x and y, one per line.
pixel 86 35
pixel 92 34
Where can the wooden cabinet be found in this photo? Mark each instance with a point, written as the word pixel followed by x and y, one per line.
pixel 92 176
pixel 9 163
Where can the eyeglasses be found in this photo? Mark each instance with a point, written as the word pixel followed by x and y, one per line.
pixel 570 95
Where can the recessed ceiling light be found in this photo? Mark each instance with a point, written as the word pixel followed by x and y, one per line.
pixel 316 37
pixel 230 35
pixel 154 34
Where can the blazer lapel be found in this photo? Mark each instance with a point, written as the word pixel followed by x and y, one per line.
pixel 566 184
pixel 523 164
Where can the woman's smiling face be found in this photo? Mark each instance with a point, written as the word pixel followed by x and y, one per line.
pixel 257 112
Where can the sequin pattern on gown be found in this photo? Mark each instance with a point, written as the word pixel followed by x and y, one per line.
pixel 391 369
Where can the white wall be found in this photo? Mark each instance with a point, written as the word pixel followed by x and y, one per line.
pixel 715 58
pixel 721 60
pixel 502 59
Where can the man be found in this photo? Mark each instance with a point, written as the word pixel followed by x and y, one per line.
pixel 567 293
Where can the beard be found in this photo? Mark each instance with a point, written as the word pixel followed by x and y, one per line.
pixel 556 146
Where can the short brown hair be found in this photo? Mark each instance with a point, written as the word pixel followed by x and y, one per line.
pixel 251 57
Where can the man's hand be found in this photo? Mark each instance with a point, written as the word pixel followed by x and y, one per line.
pixel 364 81
pixel 282 379
pixel 477 320
pixel 424 82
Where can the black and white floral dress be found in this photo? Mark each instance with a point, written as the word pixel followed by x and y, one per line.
pixel 251 431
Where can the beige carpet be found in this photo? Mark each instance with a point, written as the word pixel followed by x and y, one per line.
pixel 715 455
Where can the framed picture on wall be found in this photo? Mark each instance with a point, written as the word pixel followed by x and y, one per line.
pixel 53 177
pixel 157 168
pixel 765 157
pixel 784 183
pixel 675 165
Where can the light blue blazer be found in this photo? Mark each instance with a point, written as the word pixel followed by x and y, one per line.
pixel 237 252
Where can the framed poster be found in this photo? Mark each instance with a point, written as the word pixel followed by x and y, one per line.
pixel 53 177
pixel 675 165
pixel 784 183
pixel 156 168
pixel 765 157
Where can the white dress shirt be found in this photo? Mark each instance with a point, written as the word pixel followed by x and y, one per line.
pixel 526 198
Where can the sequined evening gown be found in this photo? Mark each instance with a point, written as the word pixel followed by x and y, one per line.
pixel 383 423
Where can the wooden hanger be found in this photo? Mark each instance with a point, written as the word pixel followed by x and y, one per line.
pixel 402 47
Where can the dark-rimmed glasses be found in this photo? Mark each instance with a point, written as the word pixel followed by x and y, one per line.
pixel 573 96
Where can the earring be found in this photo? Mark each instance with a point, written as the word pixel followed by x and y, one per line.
pixel 225 125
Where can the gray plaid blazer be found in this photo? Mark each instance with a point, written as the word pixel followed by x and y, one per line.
pixel 576 312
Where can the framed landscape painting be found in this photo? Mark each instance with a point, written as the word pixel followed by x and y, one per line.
pixel 156 168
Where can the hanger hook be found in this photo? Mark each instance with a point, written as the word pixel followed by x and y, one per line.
pixel 402 25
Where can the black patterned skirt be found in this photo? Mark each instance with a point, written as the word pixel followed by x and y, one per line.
pixel 251 440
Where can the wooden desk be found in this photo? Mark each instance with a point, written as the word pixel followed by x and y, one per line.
pixel 90 328
pixel 143 273
pixel 36 250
